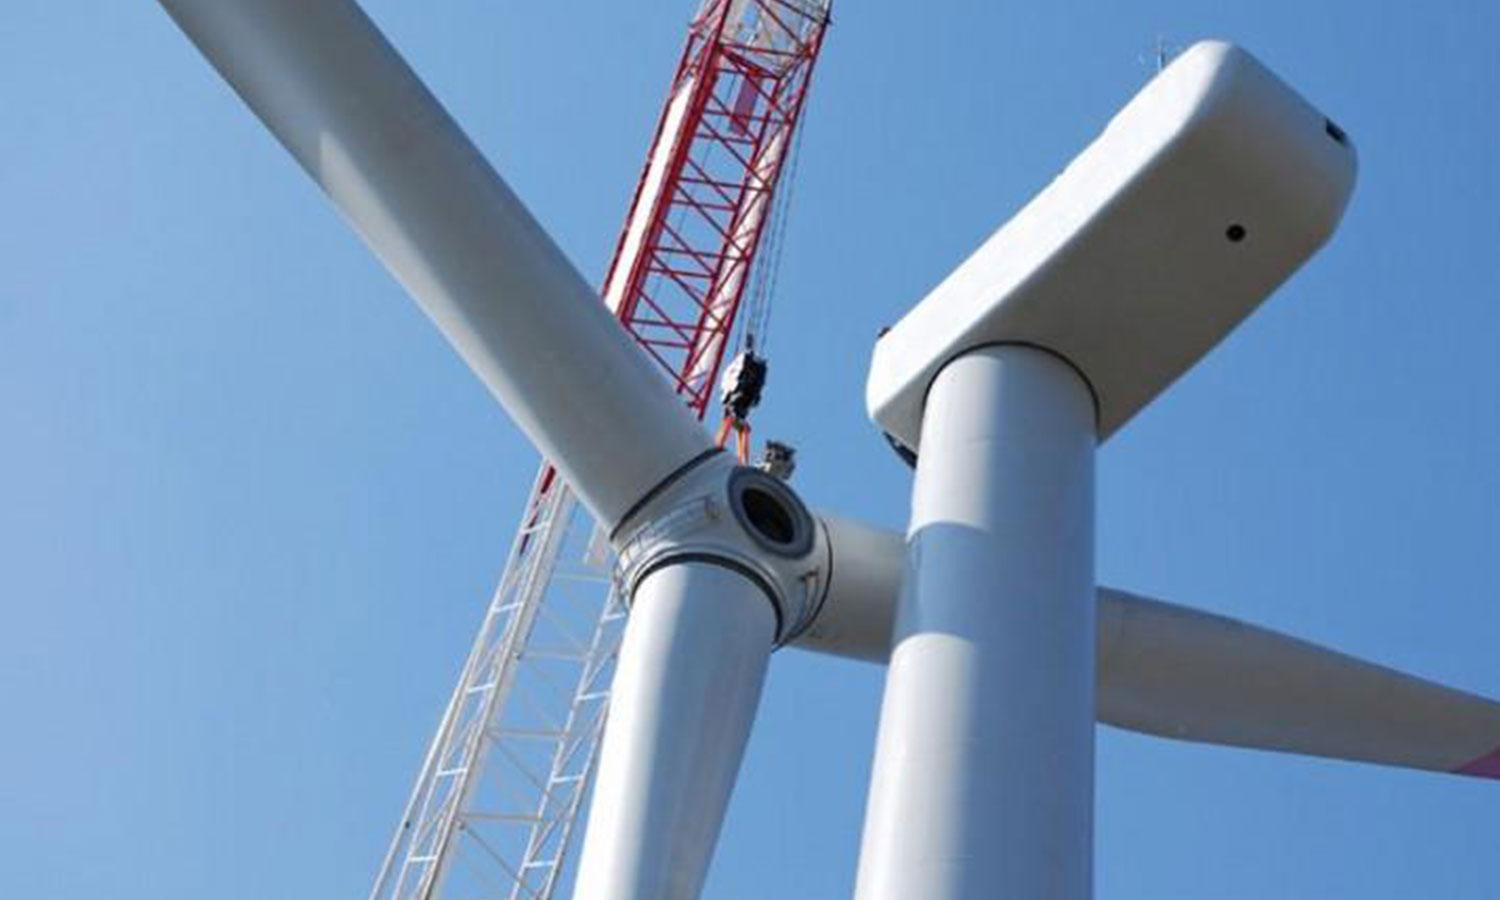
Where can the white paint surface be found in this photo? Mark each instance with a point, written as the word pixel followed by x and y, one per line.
pixel 983 775
pixel 403 174
pixel 1122 264
pixel 1187 674
pixel 685 693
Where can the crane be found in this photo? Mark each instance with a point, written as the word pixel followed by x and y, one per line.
pixel 495 804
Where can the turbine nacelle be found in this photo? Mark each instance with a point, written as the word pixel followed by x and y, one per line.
pixel 1210 188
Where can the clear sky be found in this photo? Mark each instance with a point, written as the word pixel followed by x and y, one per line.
pixel 251 504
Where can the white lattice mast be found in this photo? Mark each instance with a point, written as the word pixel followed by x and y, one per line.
pixel 494 807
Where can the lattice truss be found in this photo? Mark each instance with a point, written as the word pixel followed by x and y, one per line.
pixel 704 201
pixel 496 805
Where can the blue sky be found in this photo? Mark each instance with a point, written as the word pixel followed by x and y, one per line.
pixel 251 505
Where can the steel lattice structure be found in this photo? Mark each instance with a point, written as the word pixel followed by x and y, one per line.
pixel 494 808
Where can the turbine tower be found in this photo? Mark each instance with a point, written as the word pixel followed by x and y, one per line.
pixel 1203 195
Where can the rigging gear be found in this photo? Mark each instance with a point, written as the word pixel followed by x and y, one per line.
pixel 778 460
pixel 739 391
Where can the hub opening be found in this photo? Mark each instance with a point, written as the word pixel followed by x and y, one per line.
pixel 768 516
pixel 770 513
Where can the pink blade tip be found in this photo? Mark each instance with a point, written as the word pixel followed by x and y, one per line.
pixel 1487 766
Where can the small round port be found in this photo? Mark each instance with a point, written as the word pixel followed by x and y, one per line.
pixel 1235 233
pixel 1335 132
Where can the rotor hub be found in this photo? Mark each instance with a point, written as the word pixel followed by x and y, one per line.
pixel 736 517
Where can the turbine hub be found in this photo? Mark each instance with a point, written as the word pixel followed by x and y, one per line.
pixel 737 517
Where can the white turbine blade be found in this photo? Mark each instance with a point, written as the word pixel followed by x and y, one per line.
pixel 1183 673
pixel 334 92
pixel 858 611
pixel 1180 673
pixel 685 692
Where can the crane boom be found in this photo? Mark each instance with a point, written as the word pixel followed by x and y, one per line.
pixel 495 805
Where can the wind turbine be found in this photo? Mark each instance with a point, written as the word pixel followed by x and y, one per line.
pixel 1205 193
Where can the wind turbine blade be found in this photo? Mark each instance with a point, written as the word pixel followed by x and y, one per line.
pixel 858 612
pixel 685 692
pixel 1182 673
pixel 354 115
